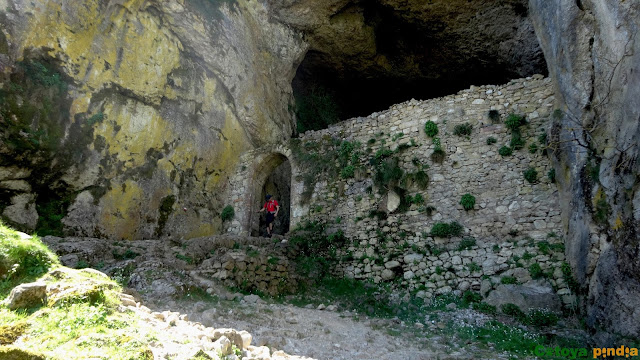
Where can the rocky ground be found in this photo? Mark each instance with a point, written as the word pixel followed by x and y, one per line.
pixel 188 310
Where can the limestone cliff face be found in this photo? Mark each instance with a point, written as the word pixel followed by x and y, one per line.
pixel 593 52
pixel 156 100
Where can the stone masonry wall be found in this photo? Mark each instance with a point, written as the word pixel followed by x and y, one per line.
pixel 515 224
pixel 512 233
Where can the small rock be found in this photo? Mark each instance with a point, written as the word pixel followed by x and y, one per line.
pixel 27 296
pixel 321 307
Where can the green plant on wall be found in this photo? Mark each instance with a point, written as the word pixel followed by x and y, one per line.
pixel 531 175
pixel 438 153
pixel 468 201
pixel 491 140
pixel 227 213
pixel 514 121
pixel 446 230
pixel 431 129
pixel 462 129
pixel 505 151
pixel 347 172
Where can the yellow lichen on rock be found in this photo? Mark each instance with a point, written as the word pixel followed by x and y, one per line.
pixel 121 209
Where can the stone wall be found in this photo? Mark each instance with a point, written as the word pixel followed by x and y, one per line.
pixel 513 225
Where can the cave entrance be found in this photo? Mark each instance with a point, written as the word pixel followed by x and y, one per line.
pixel 370 55
pixel 273 177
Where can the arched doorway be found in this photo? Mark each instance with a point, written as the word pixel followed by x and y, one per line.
pixel 273 177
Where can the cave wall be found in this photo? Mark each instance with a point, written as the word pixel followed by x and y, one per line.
pixel 592 51
pixel 159 98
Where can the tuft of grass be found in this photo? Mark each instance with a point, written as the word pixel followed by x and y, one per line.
pixel 446 230
pixel 491 140
pixel 468 201
pixel 462 129
pixel 508 280
pixel 467 243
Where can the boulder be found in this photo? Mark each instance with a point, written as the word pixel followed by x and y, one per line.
pixel 533 295
pixel 26 296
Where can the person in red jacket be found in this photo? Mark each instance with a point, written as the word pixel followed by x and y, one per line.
pixel 271 207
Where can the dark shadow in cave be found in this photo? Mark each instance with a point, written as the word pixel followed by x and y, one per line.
pixel 412 60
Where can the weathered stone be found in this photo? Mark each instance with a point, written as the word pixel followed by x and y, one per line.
pixel 392 264
pixel 26 296
pixel 534 295
pixel 22 211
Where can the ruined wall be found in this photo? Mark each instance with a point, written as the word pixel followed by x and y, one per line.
pixel 514 224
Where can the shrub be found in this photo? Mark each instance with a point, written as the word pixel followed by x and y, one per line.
pixel 431 129
pixel 473 267
pixel 471 297
pixel 494 116
pixel 446 230
pixel 466 244
pixel 567 274
pixel 483 307
pixel 468 201
pixel 533 148
pixel 513 121
pixel 536 271
pixel 531 175
pixel 418 199
pixel 438 153
pixel 462 129
pixel 517 142
pixel 388 172
pixel 505 151
pixel 491 140
pixel 541 317
pixel 552 175
pixel 347 172
pixel 227 213
pixel 508 280
pixel 513 310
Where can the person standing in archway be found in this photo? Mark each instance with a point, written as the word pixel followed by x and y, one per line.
pixel 271 207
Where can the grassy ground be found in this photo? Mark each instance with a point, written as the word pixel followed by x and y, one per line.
pixel 80 317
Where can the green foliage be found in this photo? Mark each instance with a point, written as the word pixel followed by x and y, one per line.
pixel 473 267
pixel 536 271
pixel 517 142
pixel 527 256
pixel 483 307
pixel 317 109
pixel 471 297
pixel 421 179
pixel 508 280
pixel 22 260
pixel 544 247
pixel 551 175
pixel 602 210
pixel 318 251
pixel 185 258
pixel 127 255
pixel 388 172
pixel 227 213
pixel 468 201
pixel 542 139
pixel 531 175
pixel 466 243
pixel 505 151
pixel 568 277
pixel 514 121
pixel 430 128
pixel 50 214
pixel 446 230
pixel 438 153
pixel 491 140
pixel 494 116
pixel 541 317
pixel 462 129
pixel 347 172
pixel 533 148
pixel 95 118
pixel 418 199
pixel 513 310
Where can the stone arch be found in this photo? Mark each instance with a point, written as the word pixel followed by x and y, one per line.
pixel 272 176
pixel 257 171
